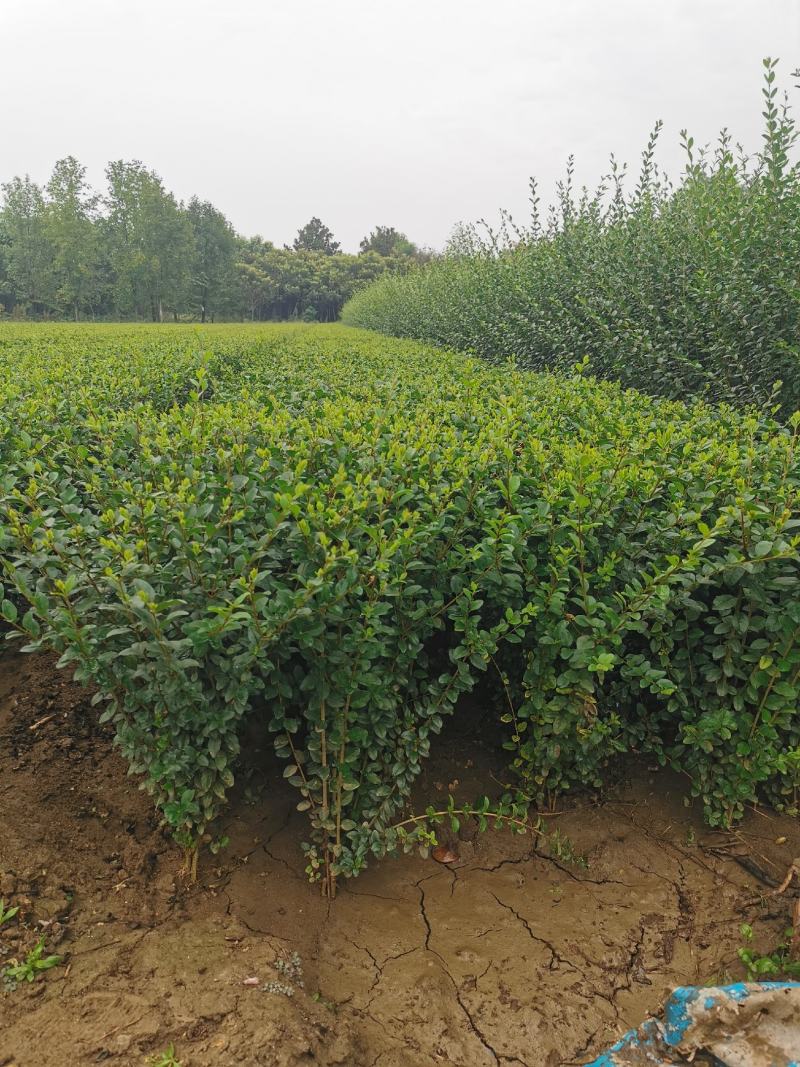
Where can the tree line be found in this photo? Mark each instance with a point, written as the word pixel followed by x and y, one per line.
pixel 136 252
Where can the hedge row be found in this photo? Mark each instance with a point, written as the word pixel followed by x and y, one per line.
pixel 677 290
pixel 350 532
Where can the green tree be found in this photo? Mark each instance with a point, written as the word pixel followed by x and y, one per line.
pixel 150 242
pixel 29 254
pixel 6 289
pixel 280 283
pixel 214 257
pixel 316 237
pixel 71 215
pixel 387 241
pixel 251 283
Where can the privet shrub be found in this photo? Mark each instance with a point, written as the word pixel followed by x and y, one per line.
pixel 678 290
pixel 350 532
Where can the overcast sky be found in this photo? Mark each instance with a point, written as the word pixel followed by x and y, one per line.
pixel 414 113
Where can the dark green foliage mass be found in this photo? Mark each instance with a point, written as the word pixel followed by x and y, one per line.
pixel 137 253
pixel 345 533
pixel 315 236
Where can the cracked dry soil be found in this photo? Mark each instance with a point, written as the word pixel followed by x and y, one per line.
pixel 510 957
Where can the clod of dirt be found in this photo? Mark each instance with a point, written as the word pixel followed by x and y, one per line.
pixel 8 884
pixel 443 854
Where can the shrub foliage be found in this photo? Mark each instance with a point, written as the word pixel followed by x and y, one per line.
pixel 678 290
pixel 346 533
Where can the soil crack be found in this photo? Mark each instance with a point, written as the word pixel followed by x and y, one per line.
pixel 583 881
pixel 531 854
pixel 446 971
pixel 555 956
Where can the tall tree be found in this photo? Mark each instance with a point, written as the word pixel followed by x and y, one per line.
pixel 71 215
pixel 136 252
pixel 214 257
pixel 150 242
pixel 6 288
pixel 29 255
pixel 316 237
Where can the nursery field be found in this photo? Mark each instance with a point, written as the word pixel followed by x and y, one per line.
pixel 333 598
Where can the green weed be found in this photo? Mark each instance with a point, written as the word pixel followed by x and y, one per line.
pixel 29 969
pixel 329 1004
pixel 562 847
pixel 291 970
pixel 167 1058
pixel 6 913
pixel 768 966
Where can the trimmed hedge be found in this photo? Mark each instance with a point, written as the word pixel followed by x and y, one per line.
pixel 351 532
pixel 686 290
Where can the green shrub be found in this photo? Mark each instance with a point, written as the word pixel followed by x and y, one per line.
pixel 350 532
pixel 686 290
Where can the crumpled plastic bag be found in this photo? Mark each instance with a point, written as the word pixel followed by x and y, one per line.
pixel 749 1024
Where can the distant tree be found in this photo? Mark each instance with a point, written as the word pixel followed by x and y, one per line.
pixel 136 252
pixel 213 259
pixel 29 251
pixel 250 281
pixel 150 242
pixel 316 237
pixel 387 241
pixel 71 213
pixel 280 283
pixel 6 288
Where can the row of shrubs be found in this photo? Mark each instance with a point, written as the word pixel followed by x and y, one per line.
pixel 346 533
pixel 686 289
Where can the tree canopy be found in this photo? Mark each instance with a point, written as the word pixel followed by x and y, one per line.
pixel 136 252
pixel 316 237
pixel 387 241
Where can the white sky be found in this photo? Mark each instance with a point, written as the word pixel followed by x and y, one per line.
pixel 412 113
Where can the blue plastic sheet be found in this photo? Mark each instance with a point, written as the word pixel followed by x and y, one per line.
pixel 755 1024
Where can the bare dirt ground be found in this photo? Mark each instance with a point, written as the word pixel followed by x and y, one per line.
pixel 512 956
